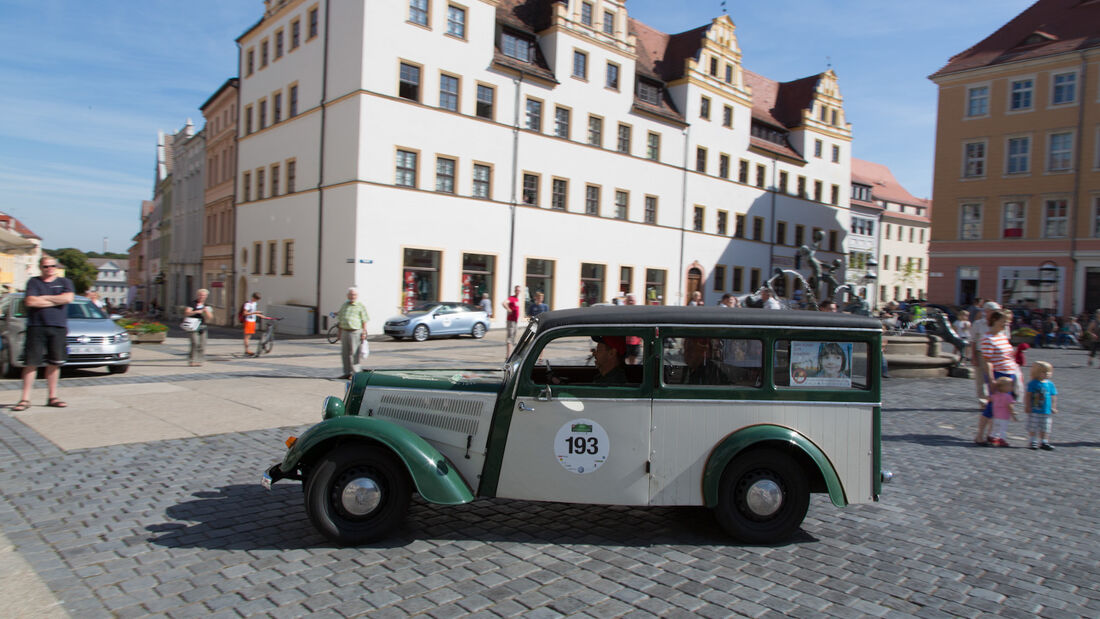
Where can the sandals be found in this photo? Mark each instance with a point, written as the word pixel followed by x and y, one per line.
pixel 56 403
pixel 21 405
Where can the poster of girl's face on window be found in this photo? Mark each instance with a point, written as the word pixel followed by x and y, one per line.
pixel 821 364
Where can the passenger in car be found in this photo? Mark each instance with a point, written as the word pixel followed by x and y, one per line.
pixel 701 368
pixel 609 354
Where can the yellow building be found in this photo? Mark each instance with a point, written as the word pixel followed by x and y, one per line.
pixel 1017 170
pixel 20 250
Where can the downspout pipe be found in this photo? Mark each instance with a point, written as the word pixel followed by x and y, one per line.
pixel 513 203
pixel 321 171
pixel 1077 192
pixel 683 214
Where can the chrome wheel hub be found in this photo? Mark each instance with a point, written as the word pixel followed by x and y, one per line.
pixel 360 496
pixel 764 497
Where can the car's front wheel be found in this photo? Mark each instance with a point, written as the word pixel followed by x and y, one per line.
pixel 762 497
pixel 357 494
pixel 420 333
pixel 478 331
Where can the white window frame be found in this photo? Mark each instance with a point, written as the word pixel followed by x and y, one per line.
pixel 1013 222
pixel 1096 216
pixel 967 160
pixel 1025 157
pixel 970 99
pixel 1054 86
pixel 974 224
pixel 1060 223
pixel 1012 91
pixel 1068 153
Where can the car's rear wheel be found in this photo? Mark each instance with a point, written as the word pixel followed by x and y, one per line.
pixel 357 494
pixel 478 331
pixel 118 369
pixel 420 333
pixel 762 497
pixel 397 338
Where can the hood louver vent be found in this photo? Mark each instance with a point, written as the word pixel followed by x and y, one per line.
pixel 452 414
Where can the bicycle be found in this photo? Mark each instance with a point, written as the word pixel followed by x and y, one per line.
pixel 267 340
pixel 333 334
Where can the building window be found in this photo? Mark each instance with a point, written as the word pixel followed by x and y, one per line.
pixel 781 232
pixel 271 255
pixel 802 187
pixel 291 176
pixel 274 180
pixel 743 171
pixel 248 120
pixel 799 235
pixel 648 92
pixel 1060 153
pixel 974 163
pixel 704 108
pixel 595 130
pixel 836 154
pixel 314 21
pixel 540 278
pixel 420 273
pixel 626 280
pixel 278 44
pixel 758 228
pixel 818 190
pixel 971 224
pixel 246 186
pixel 738 279
pixel 833 238
pixel 418 12
pixel 559 192
pixel 834 195
pixel 1021 95
pixel 409 82
pixel 288 257
pixel 701 159
pixel 534 115
pixel 653 146
pixel 1055 219
pixel 724 165
pixel 456 21
pixel 697 219
pixel 739 226
pixel 761 173
pixel 651 209
pixel 250 62
pixel 406 168
pixel 612 76
pixel 276 107
pixel 531 189
pixel 477 276
pixel 1013 220
pixel 257 258
pixel 444 175
pixel 295 34
pixel 719 278
pixel 591 200
pixel 263 113
pixel 624 138
pixel 516 47
pixel 729 74
pixel 448 92
pixel 817 149
pixel 655 286
pixel 260 184
pixel 754 280
pixel 293 101
pixel 784 178
pixel 485 101
pixel 263 53
pixel 1096 217
pixel 727 116
pixel 592 284
pixel 586 14
pixel 482 179
pixel 1019 155
pixel 580 65
pixel 561 122
pixel 723 222
pixel 622 201
pixel 1065 89
pixel 977 101
pixel 886 262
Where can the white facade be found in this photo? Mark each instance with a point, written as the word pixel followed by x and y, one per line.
pixel 398 241
pixel 110 283
pixel 184 269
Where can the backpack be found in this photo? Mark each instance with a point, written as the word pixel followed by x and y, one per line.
pixel 240 313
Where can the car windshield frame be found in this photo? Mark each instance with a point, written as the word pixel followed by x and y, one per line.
pixel 90 310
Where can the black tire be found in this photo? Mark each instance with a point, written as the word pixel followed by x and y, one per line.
pixel 761 471
pixel 371 465
pixel 421 333
pixel 397 338
pixel 118 369
pixel 333 335
pixel 478 331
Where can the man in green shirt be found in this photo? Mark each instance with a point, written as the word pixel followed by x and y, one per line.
pixel 352 318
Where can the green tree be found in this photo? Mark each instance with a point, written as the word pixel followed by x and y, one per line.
pixel 77 268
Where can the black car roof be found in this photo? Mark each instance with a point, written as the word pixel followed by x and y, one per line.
pixel 702 316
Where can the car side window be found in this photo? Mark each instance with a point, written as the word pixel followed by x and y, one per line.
pixel 582 360
pixel 720 362
pixel 821 364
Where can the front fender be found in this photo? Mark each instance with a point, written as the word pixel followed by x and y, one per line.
pixel 435 479
pixel 737 442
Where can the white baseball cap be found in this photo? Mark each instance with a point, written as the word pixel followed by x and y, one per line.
pixel 991 305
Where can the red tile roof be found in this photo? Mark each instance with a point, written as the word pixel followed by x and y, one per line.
pixel 1048 27
pixel 883 184
pixel 11 223
pixel 780 103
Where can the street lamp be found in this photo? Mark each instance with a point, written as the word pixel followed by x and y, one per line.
pixel 1048 274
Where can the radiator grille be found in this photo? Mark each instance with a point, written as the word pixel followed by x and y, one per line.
pixel 452 414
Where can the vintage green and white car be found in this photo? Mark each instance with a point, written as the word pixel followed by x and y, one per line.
pixel 744 411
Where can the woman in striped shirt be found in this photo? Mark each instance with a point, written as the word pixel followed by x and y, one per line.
pixel 998 359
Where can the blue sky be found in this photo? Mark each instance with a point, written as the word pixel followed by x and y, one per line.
pixel 87 85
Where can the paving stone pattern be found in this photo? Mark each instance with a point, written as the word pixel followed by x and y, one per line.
pixel 182 528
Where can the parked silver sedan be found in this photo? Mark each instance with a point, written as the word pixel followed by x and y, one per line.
pixel 437 318
pixel 94 338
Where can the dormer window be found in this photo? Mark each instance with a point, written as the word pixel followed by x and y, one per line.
pixel 515 46
pixel 649 92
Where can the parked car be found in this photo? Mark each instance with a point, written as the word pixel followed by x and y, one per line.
pixel 436 318
pixel 744 411
pixel 94 339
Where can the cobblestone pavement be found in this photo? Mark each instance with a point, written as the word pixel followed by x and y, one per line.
pixel 181 528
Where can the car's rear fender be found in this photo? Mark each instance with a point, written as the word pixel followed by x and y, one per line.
pixel 809 456
pixel 435 478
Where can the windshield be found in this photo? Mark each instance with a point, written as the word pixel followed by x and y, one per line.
pixel 84 309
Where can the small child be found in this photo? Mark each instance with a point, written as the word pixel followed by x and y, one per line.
pixel 1003 409
pixel 962 327
pixel 1041 402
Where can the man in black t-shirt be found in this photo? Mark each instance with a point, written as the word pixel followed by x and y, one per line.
pixel 47 325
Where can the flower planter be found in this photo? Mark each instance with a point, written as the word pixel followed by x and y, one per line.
pixel 148 338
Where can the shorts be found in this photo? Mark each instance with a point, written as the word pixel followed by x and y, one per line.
pixel 510 331
pixel 45 346
pixel 249 327
pixel 1038 423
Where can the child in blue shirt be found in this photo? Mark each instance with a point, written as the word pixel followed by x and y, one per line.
pixel 1041 403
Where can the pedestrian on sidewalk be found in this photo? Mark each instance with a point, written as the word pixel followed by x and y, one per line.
pixel 352 318
pixel 1041 401
pixel 978 329
pixel 1003 404
pixel 249 314
pixel 202 312
pixel 511 307
pixel 999 360
pixel 46 300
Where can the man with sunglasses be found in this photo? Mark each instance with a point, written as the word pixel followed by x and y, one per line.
pixel 47 325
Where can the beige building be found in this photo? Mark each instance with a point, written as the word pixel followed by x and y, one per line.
pixel 220 112
pixel 1017 174
pixel 20 250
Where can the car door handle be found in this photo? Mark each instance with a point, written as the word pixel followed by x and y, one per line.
pixel 527 409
